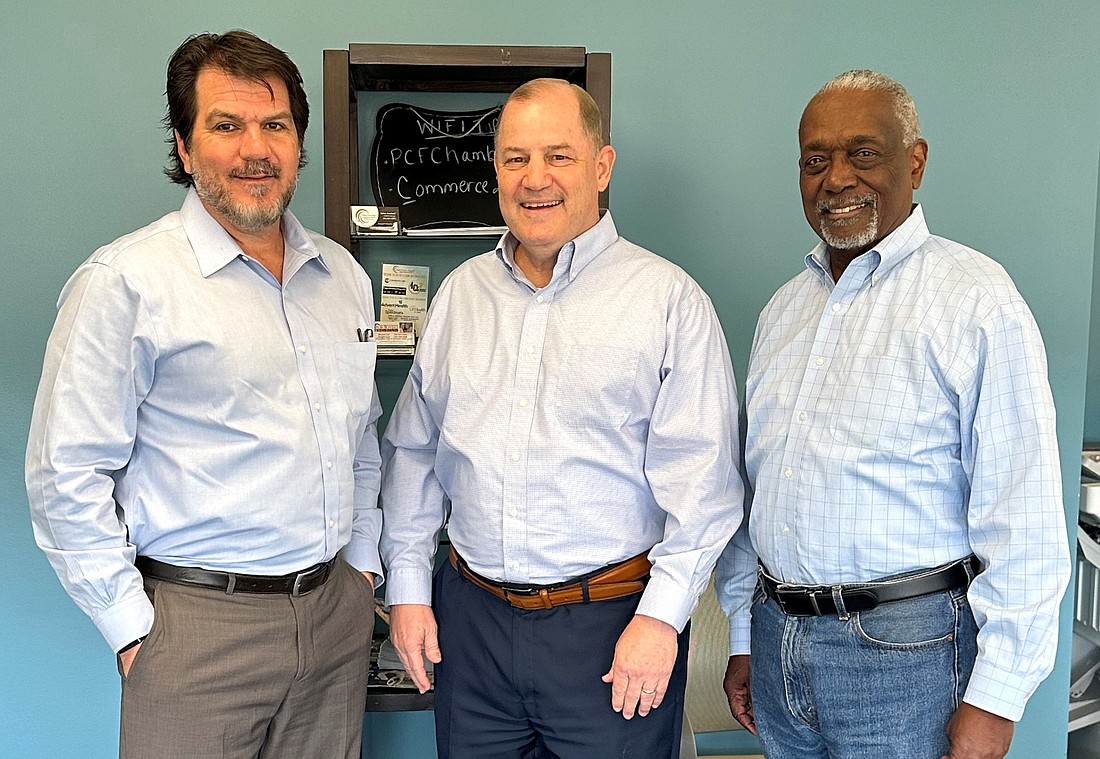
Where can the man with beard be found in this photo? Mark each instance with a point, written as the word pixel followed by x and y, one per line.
pixel 908 544
pixel 203 464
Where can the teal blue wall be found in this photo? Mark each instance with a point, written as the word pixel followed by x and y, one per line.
pixel 707 96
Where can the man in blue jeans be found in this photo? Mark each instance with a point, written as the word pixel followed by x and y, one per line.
pixel 906 539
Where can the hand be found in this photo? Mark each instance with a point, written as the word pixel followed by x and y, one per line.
pixel 644 657
pixel 126 658
pixel 414 634
pixel 370 578
pixel 736 684
pixel 977 734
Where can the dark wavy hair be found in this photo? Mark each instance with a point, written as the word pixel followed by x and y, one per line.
pixel 239 54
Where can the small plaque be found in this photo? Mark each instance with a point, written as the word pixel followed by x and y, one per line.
pixel 375 220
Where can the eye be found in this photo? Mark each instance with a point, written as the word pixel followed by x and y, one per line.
pixel 813 164
pixel 558 159
pixel 225 126
pixel 276 126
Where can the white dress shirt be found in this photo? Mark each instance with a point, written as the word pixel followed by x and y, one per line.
pixel 194 410
pixel 900 419
pixel 570 427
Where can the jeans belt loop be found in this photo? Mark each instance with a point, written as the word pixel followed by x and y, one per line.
pixel 231 585
pixel 838 599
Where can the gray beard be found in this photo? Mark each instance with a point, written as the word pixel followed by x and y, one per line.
pixel 250 219
pixel 850 242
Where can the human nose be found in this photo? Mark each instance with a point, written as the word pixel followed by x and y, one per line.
pixel 254 143
pixel 536 177
pixel 839 176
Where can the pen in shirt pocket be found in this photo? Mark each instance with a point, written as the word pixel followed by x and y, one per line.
pixel 366 334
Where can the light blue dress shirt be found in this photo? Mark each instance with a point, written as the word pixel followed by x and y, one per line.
pixel 194 410
pixel 571 426
pixel 900 419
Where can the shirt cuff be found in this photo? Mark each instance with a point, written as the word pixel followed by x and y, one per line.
pixel 739 634
pixel 998 692
pixel 409 586
pixel 666 600
pixel 363 556
pixel 126 621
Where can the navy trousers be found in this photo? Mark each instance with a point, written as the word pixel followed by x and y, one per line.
pixel 517 684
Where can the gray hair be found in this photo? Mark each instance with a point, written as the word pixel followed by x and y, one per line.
pixel 591 123
pixel 904 107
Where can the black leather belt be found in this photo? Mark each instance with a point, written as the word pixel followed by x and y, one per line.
pixel 296 584
pixel 817 600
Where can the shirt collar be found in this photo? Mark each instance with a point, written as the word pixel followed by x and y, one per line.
pixel 214 247
pixel 884 256
pixel 575 254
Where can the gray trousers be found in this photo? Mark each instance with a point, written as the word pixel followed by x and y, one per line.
pixel 250 676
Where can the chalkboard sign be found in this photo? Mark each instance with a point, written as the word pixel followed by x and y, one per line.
pixel 436 166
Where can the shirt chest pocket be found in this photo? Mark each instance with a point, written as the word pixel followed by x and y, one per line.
pixel 880 402
pixel 355 368
pixel 595 386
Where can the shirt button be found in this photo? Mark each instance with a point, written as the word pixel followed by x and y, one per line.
pixel 317 406
pixel 788 472
pixel 819 361
pixel 786 529
pixel 301 349
pixel 523 403
pixel 332 523
pixel 514 512
pixel 837 308
pixel 515 457
pixel 530 349
pixel 540 299
pixel 328 464
pixel 802 416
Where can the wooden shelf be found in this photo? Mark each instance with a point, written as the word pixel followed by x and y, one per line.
pixel 431 68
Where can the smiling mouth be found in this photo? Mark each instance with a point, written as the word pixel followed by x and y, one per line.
pixel 834 211
pixel 845 209
pixel 536 205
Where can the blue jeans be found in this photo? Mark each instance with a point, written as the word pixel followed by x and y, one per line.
pixel 874 685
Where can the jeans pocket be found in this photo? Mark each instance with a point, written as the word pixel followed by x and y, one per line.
pixel 915 623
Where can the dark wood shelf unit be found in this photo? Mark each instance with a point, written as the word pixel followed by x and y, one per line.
pixel 431 68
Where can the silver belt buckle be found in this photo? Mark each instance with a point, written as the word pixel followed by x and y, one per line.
pixel 296 590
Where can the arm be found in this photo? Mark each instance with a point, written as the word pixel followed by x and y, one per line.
pixel 99 365
pixel 691 456
pixel 366 522
pixel 734 582
pixel 412 497
pixel 736 570
pixel 1015 517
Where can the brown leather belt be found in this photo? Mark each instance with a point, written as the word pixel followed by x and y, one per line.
pixel 623 579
